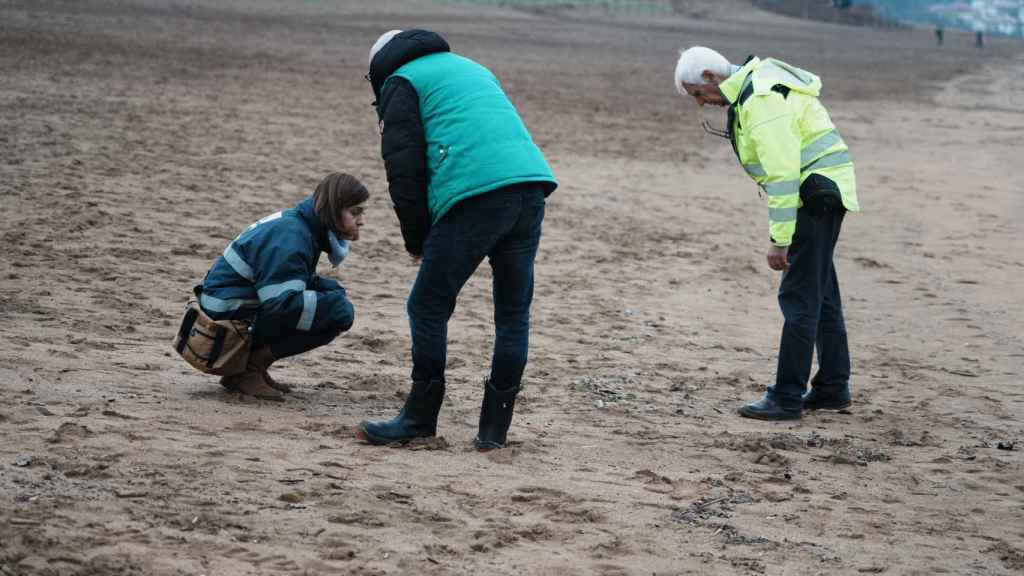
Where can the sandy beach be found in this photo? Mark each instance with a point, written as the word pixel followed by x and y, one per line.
pixel 138 137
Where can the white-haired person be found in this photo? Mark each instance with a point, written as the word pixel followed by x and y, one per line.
pixel 784 139
pixel 467 183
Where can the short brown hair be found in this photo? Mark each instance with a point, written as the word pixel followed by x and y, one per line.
pixel 335 193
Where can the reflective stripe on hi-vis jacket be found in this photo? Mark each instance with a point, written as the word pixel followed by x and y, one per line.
pixel 782 134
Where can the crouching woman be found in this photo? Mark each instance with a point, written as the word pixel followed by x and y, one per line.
pixel 266 282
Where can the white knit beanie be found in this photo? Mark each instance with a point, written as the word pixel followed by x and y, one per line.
pixel 384 39
pixel 694 61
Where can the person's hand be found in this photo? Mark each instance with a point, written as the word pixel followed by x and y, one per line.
pixel 416 258
pixel 778 257
pixel 324 284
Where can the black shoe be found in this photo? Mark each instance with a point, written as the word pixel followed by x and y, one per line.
pixel 823 397
pixel 768 409
pixel 418 418
pixel 495 417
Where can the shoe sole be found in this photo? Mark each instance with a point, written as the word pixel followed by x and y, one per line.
pixel 236 390
pixel 756 416
pixel 365 436
pixel 267 398
pixel 829 407
pixel 274 395
pixel 487 446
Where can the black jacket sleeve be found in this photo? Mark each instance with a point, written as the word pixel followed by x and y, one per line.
pixel 404 148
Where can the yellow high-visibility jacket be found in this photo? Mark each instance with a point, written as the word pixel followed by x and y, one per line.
pixel 782 134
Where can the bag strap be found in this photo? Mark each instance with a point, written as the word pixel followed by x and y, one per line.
pixel 218 346
pixel 186 327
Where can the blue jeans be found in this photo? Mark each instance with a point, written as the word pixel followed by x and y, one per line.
pixel 503 225
pixel 813 310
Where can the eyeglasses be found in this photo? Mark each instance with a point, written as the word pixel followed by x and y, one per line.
pixel 368 79
pixel 715 131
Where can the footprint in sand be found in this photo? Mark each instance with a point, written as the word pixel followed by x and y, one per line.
pixel 558 506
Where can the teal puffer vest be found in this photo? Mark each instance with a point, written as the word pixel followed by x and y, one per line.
pixel 476 141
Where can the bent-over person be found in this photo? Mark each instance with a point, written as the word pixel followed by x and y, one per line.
pixel 786 141
pixel 468 183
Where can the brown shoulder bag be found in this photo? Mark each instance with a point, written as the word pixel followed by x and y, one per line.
pixel 219 347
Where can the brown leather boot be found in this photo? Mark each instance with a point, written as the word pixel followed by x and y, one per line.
pixel 260 360
pixel 251 383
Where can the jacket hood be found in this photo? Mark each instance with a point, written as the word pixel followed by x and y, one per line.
pixel 403 48
pixel 308 215
pixel 768 73
pixel 772 72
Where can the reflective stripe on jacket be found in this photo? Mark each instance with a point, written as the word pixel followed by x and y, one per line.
pixel 782 134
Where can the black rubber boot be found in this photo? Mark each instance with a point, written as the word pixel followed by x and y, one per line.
pixel 495 417
pixel 827 396
pixel 418 418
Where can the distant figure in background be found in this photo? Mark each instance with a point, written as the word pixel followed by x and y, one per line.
pixel 467 183
pixel 785 140
pixel 267 275
pixel 938 35
pixel 979 38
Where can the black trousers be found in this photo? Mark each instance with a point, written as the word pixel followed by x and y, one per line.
pixel 812 308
